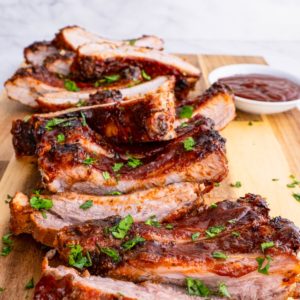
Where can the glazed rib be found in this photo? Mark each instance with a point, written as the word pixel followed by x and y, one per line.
pixel 168 202
pixel 63 167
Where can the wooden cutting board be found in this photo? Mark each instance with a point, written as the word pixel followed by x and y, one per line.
pixel 269 149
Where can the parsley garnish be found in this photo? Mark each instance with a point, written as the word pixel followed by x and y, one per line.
pixel 216 184
pixel 119 231
pixel 7 245
pixel 131 243
pixel 219 255
pixel 186 112
pixel 145 75
pixel 214 231
pixel 107 79
pixel 105 175
pixel 60 137
pixel 133 162
pixel 115 193
pixel 195 236
pixel 275 179
pixel 152 221
pixel 55 121
pixel 83 122
pixel 196 287
pixel 112 253
pixel 213 205
pixel 132 42
pixel 40 203
pixel 294 182
pixel 80 103
pixel 237 184
pixel 117 167
pixel 89 160
pixel 223 290
pixel 169 226
pixel 296 196
pixel 189 144
pixel 29 284
pixel 8 198
pixel 266 245
pixel 71 85
pixel 2 289
pixel 77 259
pixel 264 261
pixel 184 124
pixel 86 205
pixel 235 234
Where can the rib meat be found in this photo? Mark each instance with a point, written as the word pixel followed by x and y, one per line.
pixel 169 202
pixel 78 163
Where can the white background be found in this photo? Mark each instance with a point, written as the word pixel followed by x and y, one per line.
pixel 263 27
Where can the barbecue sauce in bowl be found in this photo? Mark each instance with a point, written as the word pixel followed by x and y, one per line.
pixel 263 87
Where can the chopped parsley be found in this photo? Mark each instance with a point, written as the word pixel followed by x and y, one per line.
pixel 186 112
pixel 119 231
pixel 40 203
pixel 195 236
pixel 219 255
pixel 133 242
pixel 216 184
pixel 80 103
pixel 87 204
pixel 250 123
pixel 132 42
pixel 60 138
pixel 107 79
pixel 189 144
pixel 235 234
pixel 77 259
pixel 169 226
pixel 296 196
pixel 213 205
pixel 152 221
pixel 266 245
pixel 275 179
pixel 55 121
pixel 71 86
pixel 117 167
pixel 237 184
pixel 83 122
pixel 184 124
pixel 112 253
pixel 196 287
pixel 30 284
pixel 264 264
pixel 145 75
pixel 133 162
pixel 7 244
pixel 2 289
pixel 212 232
pixel 115 193
pixel 105 175
pixel 8 198
pixel 223 290
pixel 294 182
pixel 89 160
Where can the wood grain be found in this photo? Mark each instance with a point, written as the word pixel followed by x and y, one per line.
pixel 268 149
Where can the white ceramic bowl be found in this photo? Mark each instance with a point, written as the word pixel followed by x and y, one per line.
pixel 255 106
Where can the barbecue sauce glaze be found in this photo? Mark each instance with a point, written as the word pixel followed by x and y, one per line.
pixel 263 87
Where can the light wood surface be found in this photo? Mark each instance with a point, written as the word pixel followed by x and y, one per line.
pixel 268 149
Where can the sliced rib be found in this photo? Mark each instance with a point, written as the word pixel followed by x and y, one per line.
pixel 169 202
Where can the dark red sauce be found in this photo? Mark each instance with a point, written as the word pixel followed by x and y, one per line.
pixel 263 87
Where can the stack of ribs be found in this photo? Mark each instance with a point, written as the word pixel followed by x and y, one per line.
pixel 125 154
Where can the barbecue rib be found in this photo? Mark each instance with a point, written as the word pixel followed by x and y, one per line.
pixel 255 257
pixel 169 202
pixel 65 283
pixel 84 161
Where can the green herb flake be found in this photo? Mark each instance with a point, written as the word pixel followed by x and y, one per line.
pixel 112 78
pixel 44 215
pixel 219 255
pixel 80 103
pixel 186 112
pixel 264 264
pixel 83 121
pixel 189 144
pixel 152 221
pixel 296 196
pixel 8 198
pixel 6 239
pixel 294 182
pixel 7 245
pixel 60 138
pixel 77 259
pixel 105 175
pixel 212 232
pixel 55 121
pixel 117 166
pixel 275 179
pixel 133 162
pixel 184 124
pixel 195 236
pixel 119 231
pixel 30 284
pixel 223 290
pixel 71 86
pixel 2 289
pixel 89 161
pixel 213 205
pixel 40 203
pixel 115 193
pixel 266 245
pixel 235 234
pixel 26 118
pixel 237 184
pixel 216 184
pixel 87 204
pixel 112 253
pixel 196 287
pixel 132 42
pixel 250 123
pixel 145 75
pixel 169 226
pixel 132 243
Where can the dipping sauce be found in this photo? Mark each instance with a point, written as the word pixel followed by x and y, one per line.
pixel 263 87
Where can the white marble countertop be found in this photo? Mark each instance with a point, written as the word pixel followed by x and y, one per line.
pixel 259 27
